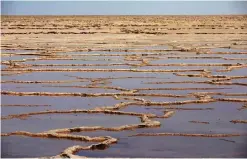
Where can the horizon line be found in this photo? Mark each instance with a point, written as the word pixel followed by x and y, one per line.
pixel 124 14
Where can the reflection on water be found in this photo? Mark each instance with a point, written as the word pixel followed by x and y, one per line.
pixel 227 50
pixel 91 82
pixel 40 123
pixel 29 147
pixel 167 147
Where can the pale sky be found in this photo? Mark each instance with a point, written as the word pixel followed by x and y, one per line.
pixel 123 7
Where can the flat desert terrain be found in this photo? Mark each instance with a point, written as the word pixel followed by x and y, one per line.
pixel 124 86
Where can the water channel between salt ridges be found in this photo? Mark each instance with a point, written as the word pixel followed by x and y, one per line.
pixel 123 101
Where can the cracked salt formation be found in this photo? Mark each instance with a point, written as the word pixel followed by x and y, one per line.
pixel 174 85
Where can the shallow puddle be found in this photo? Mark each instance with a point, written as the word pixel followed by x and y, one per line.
pixel 242 80
pixel 29 147
pixel 143 109
pixel 227 50
pixel 45 122
pixel 144 147
pixel 17 87
pixel 195 61
pixel 38 76
pixel 76 61
pixel 213 68
pixel 116 134
pixel 57 103
pixel 189 90
pixel 151 86
pixel 219 119
pixel 235 72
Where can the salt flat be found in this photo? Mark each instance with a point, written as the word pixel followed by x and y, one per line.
pixel 150 86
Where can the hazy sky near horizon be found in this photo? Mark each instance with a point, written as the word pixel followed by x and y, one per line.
pixel 123 7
